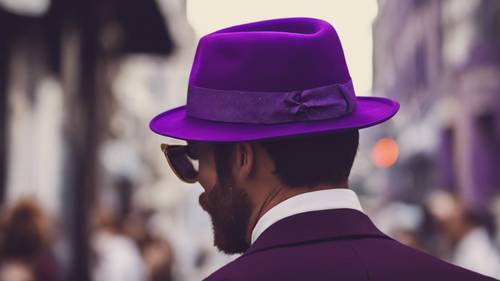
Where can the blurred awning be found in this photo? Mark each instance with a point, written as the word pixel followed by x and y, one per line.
pixel 124 27
pixel 144 27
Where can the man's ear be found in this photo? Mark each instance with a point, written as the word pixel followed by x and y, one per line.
pixel 244 160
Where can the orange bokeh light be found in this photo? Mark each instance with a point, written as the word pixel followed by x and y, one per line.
pixel 385 153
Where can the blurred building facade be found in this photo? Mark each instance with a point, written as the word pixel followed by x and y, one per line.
pixel 79 82
pixel 441 60
pixel 57 59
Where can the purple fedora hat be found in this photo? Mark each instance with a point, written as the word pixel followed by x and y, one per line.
pixel 270 79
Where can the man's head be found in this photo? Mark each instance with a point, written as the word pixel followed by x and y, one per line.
pixel 284 81
pixel 243 180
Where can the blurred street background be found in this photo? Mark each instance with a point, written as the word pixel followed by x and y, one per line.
pixel 86 194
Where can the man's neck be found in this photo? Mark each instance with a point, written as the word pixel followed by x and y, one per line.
pixel 279 194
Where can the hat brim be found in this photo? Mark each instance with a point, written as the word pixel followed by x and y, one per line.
pixel 175 123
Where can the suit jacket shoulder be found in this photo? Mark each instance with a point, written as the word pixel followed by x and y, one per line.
pixel 339 244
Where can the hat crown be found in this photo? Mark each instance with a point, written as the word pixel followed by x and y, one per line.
pixel 270 79
pixel 272 55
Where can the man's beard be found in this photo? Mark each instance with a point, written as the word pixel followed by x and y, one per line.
pixel 229 208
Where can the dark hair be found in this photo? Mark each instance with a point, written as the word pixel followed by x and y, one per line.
pixel 307 160
pixel 25 230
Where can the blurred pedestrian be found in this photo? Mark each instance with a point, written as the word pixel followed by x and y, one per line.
pixel 157 253
pixel 158 258
pixel 469 242
pixel 26 241
pixel 117 257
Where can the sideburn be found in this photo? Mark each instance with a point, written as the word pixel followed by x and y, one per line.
pixel 228 205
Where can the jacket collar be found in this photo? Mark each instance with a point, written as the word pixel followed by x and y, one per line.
pixel 335 198
pixel 317 226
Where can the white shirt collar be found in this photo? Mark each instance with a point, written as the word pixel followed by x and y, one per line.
pixel 307 202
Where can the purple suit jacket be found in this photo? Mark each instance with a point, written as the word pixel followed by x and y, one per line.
pixel 338 244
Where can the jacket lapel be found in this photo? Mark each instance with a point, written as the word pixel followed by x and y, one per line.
pixel 317 226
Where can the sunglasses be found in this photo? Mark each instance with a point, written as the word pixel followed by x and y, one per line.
pixel 183 160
